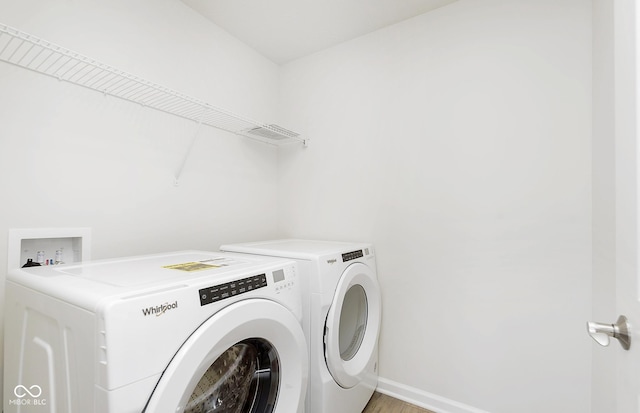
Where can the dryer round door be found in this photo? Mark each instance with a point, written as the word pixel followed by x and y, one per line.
pixel 353 325
pixel 249 357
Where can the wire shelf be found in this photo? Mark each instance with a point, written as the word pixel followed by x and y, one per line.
pixel 30 52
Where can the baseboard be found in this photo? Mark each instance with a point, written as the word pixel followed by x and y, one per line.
pixel 429 401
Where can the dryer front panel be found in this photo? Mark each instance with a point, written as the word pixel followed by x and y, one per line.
pixel 353 326
pixel 250 357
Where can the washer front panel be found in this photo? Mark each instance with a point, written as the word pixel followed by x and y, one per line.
pixel 253 320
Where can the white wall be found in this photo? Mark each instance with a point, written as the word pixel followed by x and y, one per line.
pixel 70 157
pixel 459 142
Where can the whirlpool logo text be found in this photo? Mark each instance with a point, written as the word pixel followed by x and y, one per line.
pixel 158 310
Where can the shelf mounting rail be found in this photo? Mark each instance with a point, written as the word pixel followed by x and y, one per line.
pixel 30 52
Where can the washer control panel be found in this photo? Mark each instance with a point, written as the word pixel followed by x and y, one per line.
pixel 231 289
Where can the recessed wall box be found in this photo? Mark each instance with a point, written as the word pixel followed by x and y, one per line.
pixel 70 244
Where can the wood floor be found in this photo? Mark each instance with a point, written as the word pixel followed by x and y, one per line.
pixel 381 403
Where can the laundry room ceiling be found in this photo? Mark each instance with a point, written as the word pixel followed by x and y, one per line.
pixel 284 30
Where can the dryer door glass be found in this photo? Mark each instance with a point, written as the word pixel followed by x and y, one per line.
pixel 353 321
pixel 243 379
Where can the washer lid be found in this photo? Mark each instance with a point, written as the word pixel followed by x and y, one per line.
pixel 265 327
pixel 353 325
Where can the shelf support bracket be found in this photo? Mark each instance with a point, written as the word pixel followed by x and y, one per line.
pixel 176 180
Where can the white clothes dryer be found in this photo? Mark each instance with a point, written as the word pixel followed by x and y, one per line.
pixel 341 318
pixel 179 332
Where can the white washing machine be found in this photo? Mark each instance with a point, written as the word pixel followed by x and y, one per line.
pixel 342 310
pixel 189 332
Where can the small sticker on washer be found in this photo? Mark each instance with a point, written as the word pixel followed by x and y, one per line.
pixel 191 266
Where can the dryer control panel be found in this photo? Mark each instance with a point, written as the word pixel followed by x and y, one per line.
pixel 353 255
pixel 231 289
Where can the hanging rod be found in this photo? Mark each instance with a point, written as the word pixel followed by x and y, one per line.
pixel 30 52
